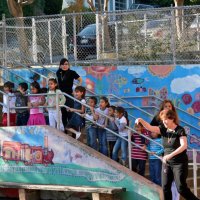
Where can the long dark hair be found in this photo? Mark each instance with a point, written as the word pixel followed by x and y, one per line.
pixel 106 101
pixel 121 110
pixel 36 85
pixel 55 82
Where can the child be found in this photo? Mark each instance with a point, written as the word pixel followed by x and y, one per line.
pixel 110 124
pixel 8 86
pixel 22 101
pixel 51 101
pixel 36 114
pixel 77 122
pixel 99 131
pixel 92 102
pixel 139 155
pixel 155 164
pixel 121 121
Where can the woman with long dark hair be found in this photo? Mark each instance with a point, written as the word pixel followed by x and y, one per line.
pixel 66 78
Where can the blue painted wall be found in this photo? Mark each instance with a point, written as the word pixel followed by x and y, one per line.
pixel 180 83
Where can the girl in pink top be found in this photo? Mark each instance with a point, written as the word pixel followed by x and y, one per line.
pixel 36 114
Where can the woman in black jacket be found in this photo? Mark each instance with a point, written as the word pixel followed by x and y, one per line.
pixel 66 78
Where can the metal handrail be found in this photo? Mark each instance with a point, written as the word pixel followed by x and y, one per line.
pixel 116 134
pixel 152 115
pixel 153 96
pixel 32 70
pixel 14 73
pixel 108 117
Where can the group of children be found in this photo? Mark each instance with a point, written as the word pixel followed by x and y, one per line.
pixel 107 135
pixel 30 111
pixel 99 137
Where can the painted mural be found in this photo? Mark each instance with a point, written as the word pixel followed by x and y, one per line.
pixel 149 83
pixel 43 155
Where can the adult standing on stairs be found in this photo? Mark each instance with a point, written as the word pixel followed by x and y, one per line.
pixel 156 121
pixel 175 160
pixel 66 78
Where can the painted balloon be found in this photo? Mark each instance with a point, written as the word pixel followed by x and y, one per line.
pixel 196 106
pixel 187 99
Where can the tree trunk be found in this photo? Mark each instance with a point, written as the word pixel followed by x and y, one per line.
pixel 16 11
pixel 179 17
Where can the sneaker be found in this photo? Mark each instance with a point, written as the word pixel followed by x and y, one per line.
pixel 78 134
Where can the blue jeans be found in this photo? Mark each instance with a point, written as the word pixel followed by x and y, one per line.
pixel 101 134
pixel 155 167
pixel 92 137
pixel 123 145
pixel 140 164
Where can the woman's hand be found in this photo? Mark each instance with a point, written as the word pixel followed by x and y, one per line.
pixel 166 158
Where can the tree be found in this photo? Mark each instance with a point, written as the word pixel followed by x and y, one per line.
pixel 103 21
pixel 178 16
pixel 16 10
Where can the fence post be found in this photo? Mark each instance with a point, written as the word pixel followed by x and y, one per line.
pixel 75 39
pixel 198 38
pixel 4 40
pixel 64 37
pixel 173 36
pixel 116 39
pixel 34 41
pixel 145 28
pixel 50 45
pixel 194 154
pixel 129 149
pixel 98 37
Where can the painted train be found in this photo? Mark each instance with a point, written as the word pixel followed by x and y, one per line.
pixel 29 155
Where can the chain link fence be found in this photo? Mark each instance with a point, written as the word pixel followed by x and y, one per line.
pixel 151 36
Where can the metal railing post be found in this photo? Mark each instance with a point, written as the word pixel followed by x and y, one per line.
pixel 194 155
pixel 8 109
pixel 129 150
pixel 58 110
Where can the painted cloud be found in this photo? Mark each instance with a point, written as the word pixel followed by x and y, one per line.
pixel 190 66
pixel 178 85
pixel 136 70
pixel 122 68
